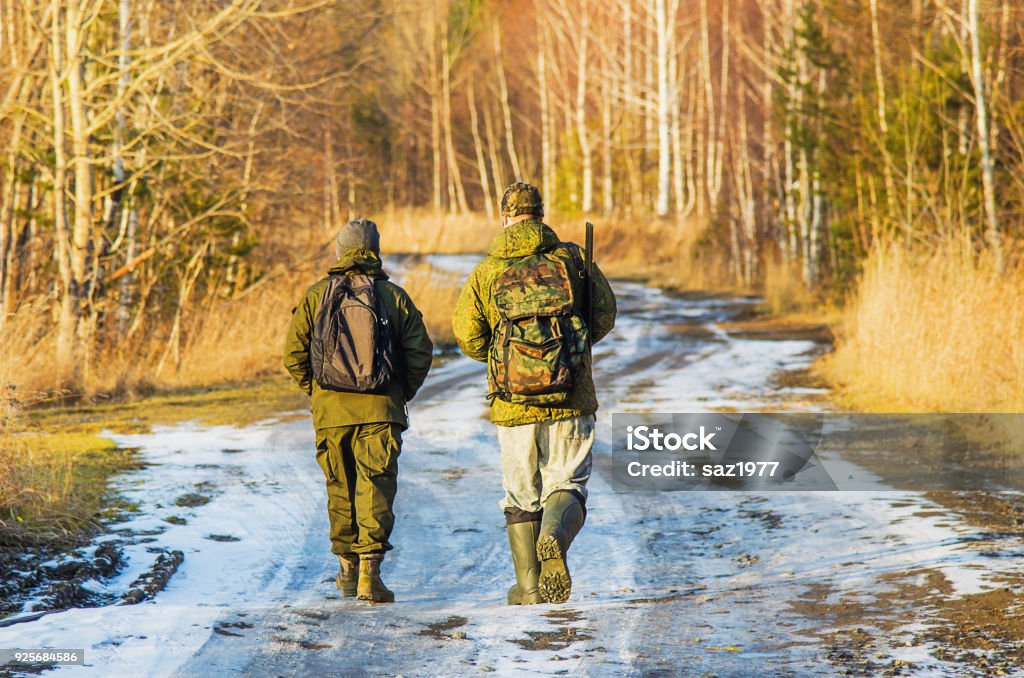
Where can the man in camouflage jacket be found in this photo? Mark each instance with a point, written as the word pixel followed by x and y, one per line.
pixel 545 451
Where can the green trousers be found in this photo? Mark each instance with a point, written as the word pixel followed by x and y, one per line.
pixel 360 463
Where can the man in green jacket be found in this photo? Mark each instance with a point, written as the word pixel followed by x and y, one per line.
pixel 545 450
pixel 359 435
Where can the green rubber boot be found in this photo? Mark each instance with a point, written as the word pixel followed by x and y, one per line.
pixel 348 575
pixel 562 520
pixel 370 587
pixel 522 542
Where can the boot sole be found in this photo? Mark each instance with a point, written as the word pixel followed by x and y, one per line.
pixel 554 584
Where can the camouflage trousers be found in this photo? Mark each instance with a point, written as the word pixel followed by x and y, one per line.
pixel 541 458
pixel 360 464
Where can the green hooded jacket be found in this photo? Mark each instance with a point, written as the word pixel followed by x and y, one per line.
pixel 333 408
pixel 476 319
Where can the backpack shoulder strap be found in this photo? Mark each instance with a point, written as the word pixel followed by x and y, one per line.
pixel 334 281
pixel 576 252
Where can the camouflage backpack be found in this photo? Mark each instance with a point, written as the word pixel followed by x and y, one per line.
pixel 352 347
pixel 541 337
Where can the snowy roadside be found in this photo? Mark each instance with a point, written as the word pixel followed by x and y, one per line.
pixel 234 501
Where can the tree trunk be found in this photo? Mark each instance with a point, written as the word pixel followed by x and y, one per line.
pixel 120 121
pixel 505 108
pixel 478 147
pixel 492 152
pixel 789 202
pixel 771 181
pixel 717 129
pixel 628 126
pixel 581 112
pixel 8 216
pixel 456 189
pixel 66 321
pixel 883 123
pixel 82 280
pixel 984 140
pixel 607 186
pixel 747 203
pixel 546 120
pixel 650 104
pixel 334 201
pixel 328 220
pixel 435 114
pixel 664 124
pixel 682 201
pixel 709 119
pixel 805 213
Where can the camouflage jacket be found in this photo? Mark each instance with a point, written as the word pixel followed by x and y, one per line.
pixel 476 318
pixel 333 408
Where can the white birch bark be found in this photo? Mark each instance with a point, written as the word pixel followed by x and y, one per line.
pixel 587 203
pixel 546 121
pixel 506 109
pixel 478 149
pixel 456 189
pixel 984 139
pixel 661 207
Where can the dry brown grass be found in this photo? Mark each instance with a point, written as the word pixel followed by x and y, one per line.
pixel 661 250
pixel 935 330
pixel 434 292
pixel 27 347
pixel 236 340
pixel 635 248
pixel 239 339
pixel 785 292
pixel 423 231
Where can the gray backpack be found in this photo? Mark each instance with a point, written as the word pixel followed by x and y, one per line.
pixel 352 347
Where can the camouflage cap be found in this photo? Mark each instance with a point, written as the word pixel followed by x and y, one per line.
pixel 522 198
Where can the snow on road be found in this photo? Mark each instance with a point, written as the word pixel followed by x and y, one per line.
pixel 678 583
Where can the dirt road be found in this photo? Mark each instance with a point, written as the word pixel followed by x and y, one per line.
pixel 684 583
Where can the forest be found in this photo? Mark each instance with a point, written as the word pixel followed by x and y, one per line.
pixel 172 171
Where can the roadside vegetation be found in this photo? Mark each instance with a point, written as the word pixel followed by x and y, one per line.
pixel 56 463
pixel 53 487
pixel 434 292
pixel 932 329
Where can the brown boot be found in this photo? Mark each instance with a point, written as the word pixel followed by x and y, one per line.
pixel 370 586
pixel 348 574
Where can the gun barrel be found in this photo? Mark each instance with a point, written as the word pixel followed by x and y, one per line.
pixel 589 265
